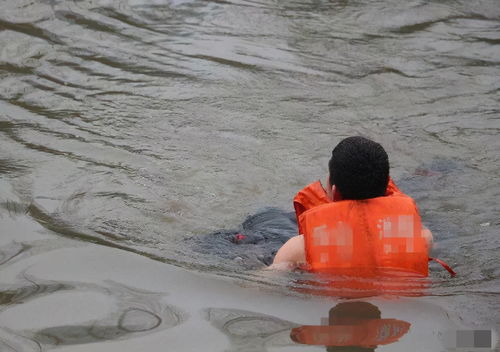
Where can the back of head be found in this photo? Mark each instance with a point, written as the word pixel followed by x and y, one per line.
pixel 359 168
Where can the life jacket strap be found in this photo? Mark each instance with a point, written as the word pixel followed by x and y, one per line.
pixel 444 265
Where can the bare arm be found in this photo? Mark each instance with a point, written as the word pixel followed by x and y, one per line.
pixel 290 255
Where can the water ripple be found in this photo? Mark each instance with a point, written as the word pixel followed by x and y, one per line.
pixel 151 125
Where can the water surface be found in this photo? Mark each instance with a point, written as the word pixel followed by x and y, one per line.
pixel 145 126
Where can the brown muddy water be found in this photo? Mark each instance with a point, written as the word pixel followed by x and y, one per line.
pixel 130 130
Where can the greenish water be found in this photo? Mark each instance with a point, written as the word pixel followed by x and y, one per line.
pixel 140 126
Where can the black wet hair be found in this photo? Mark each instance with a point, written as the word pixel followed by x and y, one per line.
pixel 359 168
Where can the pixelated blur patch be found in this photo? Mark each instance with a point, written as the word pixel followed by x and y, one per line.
pixel 482 338
pixel 473 339
pixel 465 338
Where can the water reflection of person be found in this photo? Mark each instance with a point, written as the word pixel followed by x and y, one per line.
pixel 352 327
pixel 351 313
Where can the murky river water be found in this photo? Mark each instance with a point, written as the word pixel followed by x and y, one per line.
pixel 146 125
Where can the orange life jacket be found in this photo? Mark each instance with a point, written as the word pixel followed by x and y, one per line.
pixel 361 237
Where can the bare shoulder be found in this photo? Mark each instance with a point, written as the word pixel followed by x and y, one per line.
pixel 427 234
pixel 290 254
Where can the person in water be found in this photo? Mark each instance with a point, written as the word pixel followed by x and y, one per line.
pixel 360 223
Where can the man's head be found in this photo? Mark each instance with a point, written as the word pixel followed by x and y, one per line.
pixel 359 168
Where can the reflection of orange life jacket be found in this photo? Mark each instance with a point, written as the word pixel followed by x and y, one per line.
pixel 361 237
pixel 365 333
